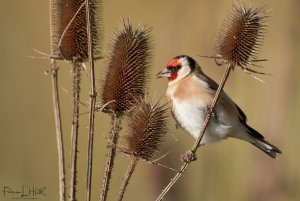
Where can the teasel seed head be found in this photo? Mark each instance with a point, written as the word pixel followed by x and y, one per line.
pixel 69 29
pixel 127 67
pixel 146 129
pixel 240 36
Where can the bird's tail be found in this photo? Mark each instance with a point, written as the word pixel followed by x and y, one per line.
pixel 259 141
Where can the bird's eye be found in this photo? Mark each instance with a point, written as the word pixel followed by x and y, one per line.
pixel 174 68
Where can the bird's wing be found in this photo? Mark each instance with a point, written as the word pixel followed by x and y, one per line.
pixel 225 101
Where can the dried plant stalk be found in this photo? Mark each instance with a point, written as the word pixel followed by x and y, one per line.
pixel 130 169
pixel 76 68
pixel 91 45
pixel 53 6
pixel 74 34
pixel 126 75
pixel 236 45
pixel 58 129
pixel 146 130
pixel 113 140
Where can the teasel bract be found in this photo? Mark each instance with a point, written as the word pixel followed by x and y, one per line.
pixel 69 38
pixel 146 130
pixel 126 76
pixel 69 41
pixel 127 67
pixel 240 37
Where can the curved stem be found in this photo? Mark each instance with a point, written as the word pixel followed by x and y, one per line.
pixel 126 178
pixel 113 140
pixel 202 131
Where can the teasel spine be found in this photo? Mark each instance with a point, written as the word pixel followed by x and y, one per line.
pixel 240 37
pixel 127 68
pixel 145 132
pixel 126 75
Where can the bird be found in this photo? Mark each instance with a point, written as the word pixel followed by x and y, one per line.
pixel 190 93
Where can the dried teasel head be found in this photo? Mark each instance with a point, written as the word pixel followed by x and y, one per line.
pixel 146 129
pixel 127 67
pixel 240 36
pixel 69 29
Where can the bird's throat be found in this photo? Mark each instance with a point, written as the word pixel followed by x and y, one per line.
pixel 174 76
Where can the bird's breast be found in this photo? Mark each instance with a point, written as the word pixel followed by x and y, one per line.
pixel 190 101
pixel 189 115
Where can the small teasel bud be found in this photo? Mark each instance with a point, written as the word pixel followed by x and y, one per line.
pixel 146 129
pixel 69 29
pixel 240 36
pixel 127 67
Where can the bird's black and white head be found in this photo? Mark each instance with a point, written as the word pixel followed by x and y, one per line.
pixel 178 68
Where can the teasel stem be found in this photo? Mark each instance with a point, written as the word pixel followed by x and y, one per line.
pixel 112 142
pixel 56 101
pixel 75 37
pixel 191 153
pixel 92 101
pixel 58 129
pixel 127 72
pixel 128 174
pixel 76 72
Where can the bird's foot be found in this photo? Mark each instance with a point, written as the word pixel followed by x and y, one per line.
pixel 188 156
pixel 212 112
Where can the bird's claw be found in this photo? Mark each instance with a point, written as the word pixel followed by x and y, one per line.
pixel 188 156
pixel 209 110
pixel 212 112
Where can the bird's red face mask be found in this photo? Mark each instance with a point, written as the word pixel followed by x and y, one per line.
pixel 171 71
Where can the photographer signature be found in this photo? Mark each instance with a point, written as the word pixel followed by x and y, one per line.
pixel 24 192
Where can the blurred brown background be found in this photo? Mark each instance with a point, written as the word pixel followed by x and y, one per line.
pixel 230 170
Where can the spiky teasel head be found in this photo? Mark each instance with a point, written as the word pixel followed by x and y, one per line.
pixel 69 29
pixel 240 36
pixel 146 129
pixel 127 67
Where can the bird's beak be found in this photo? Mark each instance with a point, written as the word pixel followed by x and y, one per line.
pixel 164 73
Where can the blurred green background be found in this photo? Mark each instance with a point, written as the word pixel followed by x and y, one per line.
pixel 230 170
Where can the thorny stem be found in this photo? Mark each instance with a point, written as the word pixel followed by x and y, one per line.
pixel 127 176
pixel 58 129
pixel 74 130
pixel 92 101
pixel 202 131
pixel 112 142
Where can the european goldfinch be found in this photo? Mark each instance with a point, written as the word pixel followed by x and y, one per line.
pixel 191 92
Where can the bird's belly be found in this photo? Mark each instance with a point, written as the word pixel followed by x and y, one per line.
pixel 191 118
